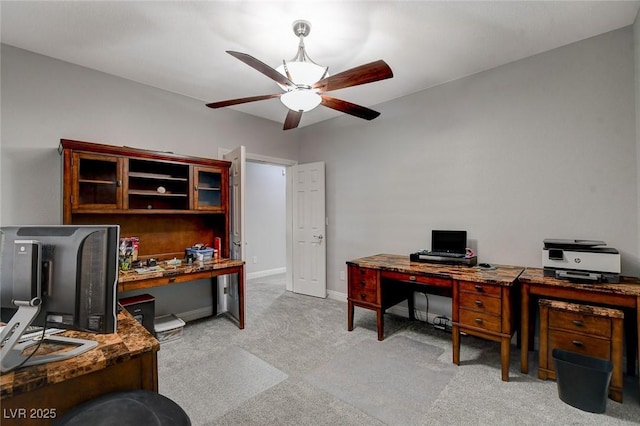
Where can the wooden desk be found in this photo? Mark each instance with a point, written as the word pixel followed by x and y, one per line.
pixel 624 295
pixel 482 300
pixel 125 360
pixel 132 280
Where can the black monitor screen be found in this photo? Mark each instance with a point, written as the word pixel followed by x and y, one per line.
pixel 449 241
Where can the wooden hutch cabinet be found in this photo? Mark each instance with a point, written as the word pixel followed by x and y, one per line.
pixel 169 201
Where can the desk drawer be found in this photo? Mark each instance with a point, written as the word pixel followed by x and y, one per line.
pixel 481 303
pixel 579 343
pixel 575 321
pixel 363 284
pixel 480 320
pixel 421 279
pixel 488 289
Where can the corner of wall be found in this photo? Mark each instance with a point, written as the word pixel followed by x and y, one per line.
pixel 636 52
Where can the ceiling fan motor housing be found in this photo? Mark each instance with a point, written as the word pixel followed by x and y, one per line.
pixel 301 28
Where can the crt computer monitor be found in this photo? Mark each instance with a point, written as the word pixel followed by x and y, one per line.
pixel 59 276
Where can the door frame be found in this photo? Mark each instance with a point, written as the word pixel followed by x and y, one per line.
pixel 287 163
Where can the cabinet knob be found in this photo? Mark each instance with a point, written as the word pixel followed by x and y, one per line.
pixel 363 283
pixel 479 320
pixel 578 343
pixel 412 278
pixel 479 302
pixel 578 323
pixel 119 183
pixel 363 296
pixel 479 288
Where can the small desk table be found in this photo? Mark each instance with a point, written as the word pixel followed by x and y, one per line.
pixel 535 285
pixel 40 394
pixel 483 302
pixel 132 280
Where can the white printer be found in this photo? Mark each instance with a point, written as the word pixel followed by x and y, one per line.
pixel 580 260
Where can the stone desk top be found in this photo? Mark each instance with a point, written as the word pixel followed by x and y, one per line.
pixel 628 286
pixel 184 269
pixel 131 339
pixel 502 275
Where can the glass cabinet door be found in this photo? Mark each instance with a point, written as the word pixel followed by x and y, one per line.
pixel 97 182
pixel 208 189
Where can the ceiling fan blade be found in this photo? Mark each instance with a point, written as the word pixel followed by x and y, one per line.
pixel 230 102
pixel 263 68
pixel 292 120
pixel 349 108
pixel 368 73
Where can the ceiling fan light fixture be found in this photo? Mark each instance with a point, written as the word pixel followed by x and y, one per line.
pixel 302 73
pixel 306 83
pixel 301 99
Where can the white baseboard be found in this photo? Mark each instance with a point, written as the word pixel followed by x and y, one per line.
pixel 195 314
pixel 336 295
pixel 266 273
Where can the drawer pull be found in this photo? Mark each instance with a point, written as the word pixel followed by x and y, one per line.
pixel 363 296
pixel 578 323
pixel 363 282
pixel 172 279
pixel 479 320
pixel 412 278
pixel 479 302
pixel 578 343
pixel 479 288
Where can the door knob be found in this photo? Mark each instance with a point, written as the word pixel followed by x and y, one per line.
pixel 318 236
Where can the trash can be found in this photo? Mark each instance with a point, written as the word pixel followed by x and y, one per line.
pixel 583 381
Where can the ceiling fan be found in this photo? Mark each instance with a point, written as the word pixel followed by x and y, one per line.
pixel 304 83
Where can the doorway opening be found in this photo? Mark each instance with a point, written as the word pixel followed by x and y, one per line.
pixel 265 219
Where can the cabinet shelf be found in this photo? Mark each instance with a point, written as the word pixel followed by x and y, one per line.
pixel 156 194
pixel 156 176
pixel 97 182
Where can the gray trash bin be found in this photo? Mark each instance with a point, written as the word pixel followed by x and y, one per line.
pixel 583 381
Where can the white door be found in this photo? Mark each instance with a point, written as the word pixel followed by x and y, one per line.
pixel 238 159
pixel 309 237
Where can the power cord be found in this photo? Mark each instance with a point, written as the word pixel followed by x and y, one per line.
pixel 40 340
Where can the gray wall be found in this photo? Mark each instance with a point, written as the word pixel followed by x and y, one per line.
pixel 44 100
pixel 265 219
pixel 542 147
pixel 636 45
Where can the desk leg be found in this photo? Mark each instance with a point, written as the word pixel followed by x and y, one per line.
pixel 524 328
pixel 241 297
pixel 455 340
pixel 411 304
pixel 349 315
pixel 380 323
pixel 505 355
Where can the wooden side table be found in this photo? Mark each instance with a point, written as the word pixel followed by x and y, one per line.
pixel 589 330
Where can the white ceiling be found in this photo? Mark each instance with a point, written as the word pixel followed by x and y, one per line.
pixel 180 46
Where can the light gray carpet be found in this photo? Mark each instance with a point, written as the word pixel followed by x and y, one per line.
pixel 383 378
pixel 219 383
pixel 292 363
